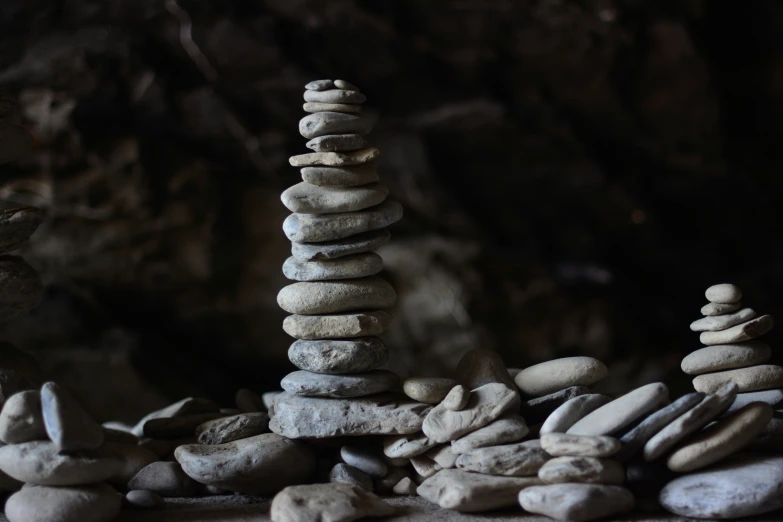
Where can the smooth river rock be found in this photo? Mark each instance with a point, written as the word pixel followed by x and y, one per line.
pixel 717 323
pixel 337 296
pixel 314 417
pixel 621 412
pixel 337 142
pixel 259 465
pixel 339 356
pixel 17 225
pixel 571 411
pixel 472 492
pixel 512 460
pixel 762 377
pixel 235 427
pixel 725 357
pixel 772 397
pixel 334 159
pixel 40 462
pixel 507 429
pixel 21 419
pixel 558 374
pixel 327 122
pixel 567 445
pixel 93 503
pixel 316 228
pixel 430 390
pixel 334 96
pixel 344 247
pixel 349 267
pixel 347 176
pixel 576 502
pixel 327 503
pixel 310 384
pixel 338 326
pixel 740 333
pixel 586 470
pixel 307 198
pixel 724 293
pixel 66 422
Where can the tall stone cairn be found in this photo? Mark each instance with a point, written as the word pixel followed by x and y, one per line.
pixel 341 214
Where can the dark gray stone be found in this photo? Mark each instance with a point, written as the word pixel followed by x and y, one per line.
pixel 17 225
pixel 337 356
pixel 345 247
pixel 316 228
pixel 310 384
pixel 166 479
pixel 348 176
pixel 337 142
pixel 229 429
pixel 348 267
pixel 21 287
pixel 322 123
pixel 334 96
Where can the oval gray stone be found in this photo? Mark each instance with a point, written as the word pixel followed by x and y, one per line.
pixel 430 390
pixel 21 419
pixel 310 384
pixel 721 322
pixel 739 333
pixel 513 460
pixel 724 293
pixel 348 267
pixel 337 143
pixel 337 296
pixel 743 486
pixel 585 470
pixel 567 445
pixel 761 377
pixel 558 374
pixel 344 247
pixel 576 502
pixel 505 430
pixel 93 503
pixel 621 412
pixel 348 176
pixel 334 96
pixel 407 446
pixel 312 199
pixel 322 123
pixel 472 492
pixel 66 422
pixel 332 107
pixel 344 474
pixel 772 397
pixel 339 356
pixel 711 309
pixel 166 479
pixel 21 288
pixel 320 85
pixel 229 429
pixel 334 159
pixel 725 357
pixel 315 228
pixel 366 460
pixel 360 324
pixel 571 411
pixel 40 462
pixel 17 225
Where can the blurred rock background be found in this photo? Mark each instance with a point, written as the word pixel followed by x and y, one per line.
pixel 574 173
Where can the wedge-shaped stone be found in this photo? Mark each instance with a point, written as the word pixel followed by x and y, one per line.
pixel 322 123
pixel 431 390
pixel 472 492
pixel 326 297
pixel 348 267
pixel 725 357
pixel 576 502
pixel 334 159
pixel 512 460
pixel 339 356
pixel 334 96
pixel 21 419
pixel 740 333
pixel 316 228
pixel 762 377
pixel 185 407
pixel 66 422
pixel 621 412
pixel 311 384
pixel 722 322
pixel 343 247
pixel 360 324
pixel 482 366
pixel 235 427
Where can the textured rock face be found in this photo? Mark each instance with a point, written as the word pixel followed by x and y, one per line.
pixel 359 324
pixel 229 429
pixel 327 502
pixel 512 460
pixel 358 265
pixel 338 356
pixel 504 430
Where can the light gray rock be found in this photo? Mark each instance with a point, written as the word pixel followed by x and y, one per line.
pixel 762 377
pixel 166 479
pixel 538 409
pixel 739 333
pixel 66 422
pixel 486 404
pixel 187 406
pixel 269 399
pixel 235 427
pixel 507 429
pixel 481 366
pixel 471 492
pixel 134 459
pixel 407 446
pixel 19 371
pixel 405 487
pixel 342 84
pixel 339 326
pixel 725 357
pixel 310 384
pixel 712 309
pixel 430 390
pixel 178 427
pixel 576 502
pixel 457 399
pixel 721 322
pixel 567 445
pixel 367 460
pixel 724 293
pixel 334 96
pixel 513 460
pixel 312 199
pixel 322 123
pixel 21 419
pixel 772 397
pixel 635 439
pixel 40 462
pixel 344 247
pixel 743 486
pixel 320 85
pixel 621 412
pixel 584 470
pixel 17 225
pixel 337 296
pixel 558 374
pixel 346 176
pixel 259 465
pixel 93 503
pixel 142 499
pixel 327 503
pixel 334 159
pixel 691 421
pixel 424 466
pixel 339 356
pixel 316 228
pixel 571 411
pixel 331 107
pixel 344 474
pixel 382 414
pixel 249 401
pixel 444 456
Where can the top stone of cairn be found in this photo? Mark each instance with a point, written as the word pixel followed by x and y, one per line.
pixel 723 293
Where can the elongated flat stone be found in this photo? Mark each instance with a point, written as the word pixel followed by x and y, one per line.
pixel 311 384
pixel 326 297
pixel 721 322
pixel 299 417
pixel 339 356
pixel 726 357
pixel 314 228
pixel 505 430
pixel 471 492
pixel 772 397
pixel 332 107
pixel 584 470
pixel 558 374
pixel 723 293
pixel 512 460
pixel 576 502
pixel 538 409
pixel 347 176
pixel 17 225
pixel 334 159
pixel 348 267
pixel 565 445
pixel 334 96
pixel 407 446
pixel 307 198
pixel 719 309
pixel 344 247
pixel 321 123
pixel 740 333
pixel 621 412
pixel 762 377
pixel 572 411
pixel 320 85
pixel 360 324
pixel 337 143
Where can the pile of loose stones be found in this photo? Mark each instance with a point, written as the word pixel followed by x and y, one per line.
pixel 344 435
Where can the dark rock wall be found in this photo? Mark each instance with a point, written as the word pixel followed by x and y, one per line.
pixel 574 174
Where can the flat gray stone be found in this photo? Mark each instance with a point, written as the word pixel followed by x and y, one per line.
pixel 721 322
pixel 339 356
pixel 552 376
pixel 334 96
pixel 740 333
pixel 316 228
pixel 184 407
pixel 407 446
pixel 689 422
pixel 310 384
pixel 571 411
pixel 314 417
pixel 322 123
pixel 576 502
pixel 761 377
pixel 21 419
pixel 772 397
pixel 337 142
pixel 711 309
pixel 17 225
pixel 334 159
pixel 142 499
pixel 344 474
pixel 66 422
pixel 512 460
pixel 486 404
pixel 324 297
pixel 481 366
pixel 259 465
pixel 583 470
pixel 165 479
pixel 457 399
pixel 567 445
pixel 365 459
pixel 538 409
pixel 742 486
pixel 93 503
pixel 347 176
pixel 505 430
pixel 348 267
pixel 306 198
pixel 724 293
pixel 430 390
pixel 40 462
pixel 173 428
pixel 331 107
pixel 235 427
pixel 327 503
pixel 634 440
pixel 621 412
pixel 320 85
pixel 471 492
pixel 334 249
pixel 19 371
pixel 725 357
pixel 338 326
pixel 21 288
